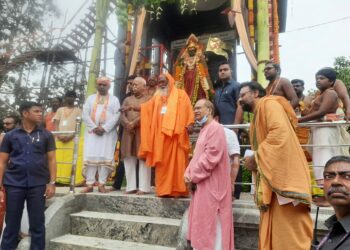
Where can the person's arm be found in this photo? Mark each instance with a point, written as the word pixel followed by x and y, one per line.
pixel 4 158
pixel 50 187
pixel 52 166
pixel 343 94
pixel 209 159
pixel 113 119
pixel 239 115
pixel 289 91
pixel 234 169
pixel 86 116
pixel 329 99
pixel 123 119
pixel 5 150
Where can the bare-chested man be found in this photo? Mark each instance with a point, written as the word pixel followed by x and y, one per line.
pixel 278 85
pixel 343 95
pixel 325 105
pixel 304 104
pixel 130 120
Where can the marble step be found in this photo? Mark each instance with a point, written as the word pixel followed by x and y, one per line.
pixel 145 205
pixel 135 228
pixel 78 242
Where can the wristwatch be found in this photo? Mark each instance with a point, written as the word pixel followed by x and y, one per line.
pixel 52 182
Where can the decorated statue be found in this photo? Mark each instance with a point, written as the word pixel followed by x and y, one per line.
pixel 191 71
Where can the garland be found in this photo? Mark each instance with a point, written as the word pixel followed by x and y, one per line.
pixel 276 28
pixel 153 7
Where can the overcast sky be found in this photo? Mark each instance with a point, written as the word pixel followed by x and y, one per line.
pixel 303 51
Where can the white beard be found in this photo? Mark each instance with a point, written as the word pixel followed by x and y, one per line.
pixel 164 92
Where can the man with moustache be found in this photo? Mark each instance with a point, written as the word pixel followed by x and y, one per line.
pixel 337 189
pixel 282 179
pixel 278 85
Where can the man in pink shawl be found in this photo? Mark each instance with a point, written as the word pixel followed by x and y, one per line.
pixel 208 175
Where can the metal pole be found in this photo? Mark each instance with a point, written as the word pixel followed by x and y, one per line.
pixel 75 155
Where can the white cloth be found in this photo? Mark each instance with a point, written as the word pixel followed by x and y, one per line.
pixel 130 173
pixel 90 174
pixel 232 142
pixel 327 136
pixel 100 148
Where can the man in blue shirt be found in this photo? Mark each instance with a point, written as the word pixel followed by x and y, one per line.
pixel 27 173
pixel 226 95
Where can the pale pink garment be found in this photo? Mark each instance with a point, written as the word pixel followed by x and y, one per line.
pixel 210 170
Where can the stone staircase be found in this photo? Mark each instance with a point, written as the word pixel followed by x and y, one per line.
pixel 118 221
pixel 123 222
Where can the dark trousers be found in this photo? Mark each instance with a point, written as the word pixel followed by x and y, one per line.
pixel 120 176
pixel 15 198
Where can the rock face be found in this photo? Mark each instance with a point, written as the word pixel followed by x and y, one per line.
pixel 118 221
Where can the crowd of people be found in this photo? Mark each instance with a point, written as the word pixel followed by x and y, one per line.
pixel 155 122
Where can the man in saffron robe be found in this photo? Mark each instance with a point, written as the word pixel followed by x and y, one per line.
pixel 209 175
pixel 283 185
pixel 164 140
pixel 100 114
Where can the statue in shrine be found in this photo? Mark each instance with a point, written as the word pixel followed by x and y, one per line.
pixel 191 71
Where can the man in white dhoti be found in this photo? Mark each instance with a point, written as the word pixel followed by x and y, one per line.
pixel 100 114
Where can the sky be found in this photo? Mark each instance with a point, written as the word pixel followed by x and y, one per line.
pixel 303 49
pixel 304 52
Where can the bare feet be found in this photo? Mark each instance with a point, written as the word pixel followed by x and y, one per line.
pixel 111 189
pixel 139 192
pixel 102 189
pixel 131 192
pixel 88 189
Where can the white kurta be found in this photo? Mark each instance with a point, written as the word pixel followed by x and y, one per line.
pixel 100 148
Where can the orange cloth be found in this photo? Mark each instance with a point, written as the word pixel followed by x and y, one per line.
pixel 164 140
pixel 49 123
pixel 286 227
pixel 283 170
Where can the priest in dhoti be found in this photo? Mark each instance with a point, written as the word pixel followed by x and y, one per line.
pixel 283 183
pixel 165 143
pixel 100 114
pixel 210 222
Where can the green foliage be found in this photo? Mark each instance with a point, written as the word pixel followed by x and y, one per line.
pixel 342 67
pixel 152 6
pixel 246 178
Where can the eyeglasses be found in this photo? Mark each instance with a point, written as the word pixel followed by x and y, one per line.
pixel 267 69
pixel 243 94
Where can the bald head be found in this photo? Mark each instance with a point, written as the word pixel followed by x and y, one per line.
pixel 138 86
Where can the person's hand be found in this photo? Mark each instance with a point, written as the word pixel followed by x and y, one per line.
pixel 187 179
pixel 130 126
pixel 50 191
pixel 2 196
pixel 60 138
pixel 347 115
pixel 249 163
pixel 190 129
pixel 125 109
